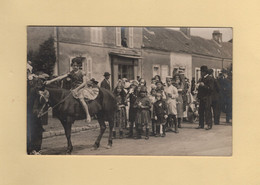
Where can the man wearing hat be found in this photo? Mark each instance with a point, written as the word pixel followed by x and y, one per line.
pixel 106 83
pixel 205 89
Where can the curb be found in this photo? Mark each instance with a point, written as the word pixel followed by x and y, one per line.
pixel 49 134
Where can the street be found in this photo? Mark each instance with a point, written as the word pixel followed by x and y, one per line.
pixel 188 142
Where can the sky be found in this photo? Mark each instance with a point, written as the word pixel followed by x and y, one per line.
pixel 227 33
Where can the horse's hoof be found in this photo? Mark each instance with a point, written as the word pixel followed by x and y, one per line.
pixel 109 146
pixel 68 153
pixel 95 147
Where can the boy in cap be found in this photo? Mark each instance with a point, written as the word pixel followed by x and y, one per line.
pixel 160 114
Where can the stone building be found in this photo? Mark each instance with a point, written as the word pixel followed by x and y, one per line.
pixel 128 52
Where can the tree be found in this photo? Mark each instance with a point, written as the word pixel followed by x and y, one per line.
pixel 44 59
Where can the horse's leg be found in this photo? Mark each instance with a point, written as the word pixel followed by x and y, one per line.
pixel 102 130
pixel 67 127
pixel 111 125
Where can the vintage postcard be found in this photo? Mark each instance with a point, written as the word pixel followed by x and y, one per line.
pixel 154 91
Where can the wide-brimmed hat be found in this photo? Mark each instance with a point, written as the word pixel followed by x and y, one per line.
pixel 94 81
pixel 107 74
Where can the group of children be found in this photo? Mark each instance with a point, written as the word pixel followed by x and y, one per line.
pixel 149 113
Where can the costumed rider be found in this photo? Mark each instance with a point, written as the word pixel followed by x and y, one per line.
pixel 82 88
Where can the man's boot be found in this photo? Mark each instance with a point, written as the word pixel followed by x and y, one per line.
pixel 176 128
pixel 131 132
pixel 163 129
pixel 138 132
pixel 147 134
pixel 114 135
pixel 157 131
pixel 179 122
pixel 120 134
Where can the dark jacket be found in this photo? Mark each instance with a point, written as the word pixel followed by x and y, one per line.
pixel 206 90
pixel 105 85
pixel 160 110
pixel 216 91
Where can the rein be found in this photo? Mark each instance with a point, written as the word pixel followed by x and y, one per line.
pixel 50 108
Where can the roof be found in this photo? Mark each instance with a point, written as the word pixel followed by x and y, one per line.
pixel 176 41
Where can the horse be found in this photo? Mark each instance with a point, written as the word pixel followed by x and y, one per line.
pixel 68 109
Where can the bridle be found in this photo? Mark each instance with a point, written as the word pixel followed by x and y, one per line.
pixel 41 113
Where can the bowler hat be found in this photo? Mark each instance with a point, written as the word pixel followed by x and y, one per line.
pixel 106 74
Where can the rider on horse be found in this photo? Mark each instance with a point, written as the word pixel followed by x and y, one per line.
pixel 81 87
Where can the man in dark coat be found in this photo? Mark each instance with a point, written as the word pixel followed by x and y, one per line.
pixel 215 97
pixel 106 83
pixel 205 90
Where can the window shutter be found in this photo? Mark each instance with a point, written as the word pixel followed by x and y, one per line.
pixel 131 37
pixel 89 68
pixel 92 32
pixel 165 72
pixel 118 36
pixel 100 35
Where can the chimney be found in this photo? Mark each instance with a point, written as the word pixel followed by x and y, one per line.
pixel 186 31
pixel 217 36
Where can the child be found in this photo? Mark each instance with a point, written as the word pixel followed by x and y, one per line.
pixel 160 114
pixel 143 117
pixel 160 89
pixel 132 95
pixel 80 85
pixel 153 100
pixel 120 115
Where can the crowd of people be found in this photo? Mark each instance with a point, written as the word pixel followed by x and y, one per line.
pixel 145 111
pixel 163 106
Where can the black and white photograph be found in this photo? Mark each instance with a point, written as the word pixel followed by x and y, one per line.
pixel 129 91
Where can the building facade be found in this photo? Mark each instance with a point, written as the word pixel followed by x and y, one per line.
pixel 116 50
pixel 128 52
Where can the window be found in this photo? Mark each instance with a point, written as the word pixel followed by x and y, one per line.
pixel 82 67
pixel 126 71
pixel 197 74
pixel 217 72
pixel 123 37
pixel 131 37
pixel 164 72
pixel 156 70
pixel 96 34
pixel 214 72
pixel 118 36
pixel 88 67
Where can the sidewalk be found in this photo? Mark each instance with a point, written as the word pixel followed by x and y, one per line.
pixel 55 128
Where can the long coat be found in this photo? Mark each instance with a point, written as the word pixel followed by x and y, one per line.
pixel 171 94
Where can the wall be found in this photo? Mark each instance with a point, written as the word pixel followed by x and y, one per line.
pixel 99 56
pixel 150 58
pixel 182 59
pixel 198 61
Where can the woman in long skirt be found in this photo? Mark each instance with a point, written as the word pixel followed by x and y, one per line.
pixel 179 101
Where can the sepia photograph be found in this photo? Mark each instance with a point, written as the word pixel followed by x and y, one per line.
pixel 129 91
